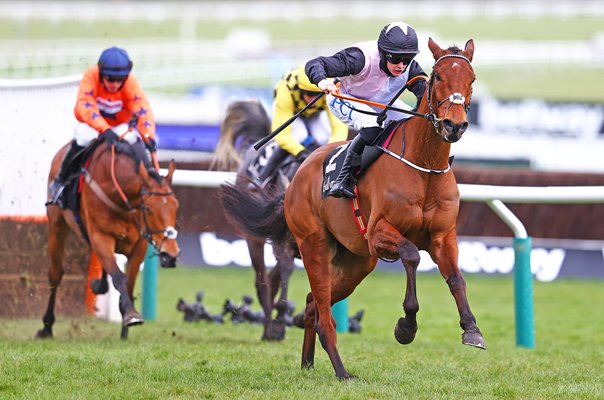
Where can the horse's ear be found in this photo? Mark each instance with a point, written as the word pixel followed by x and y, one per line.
pixel 171 169
pixel 435 49
pixel 469 50
pixel 142 172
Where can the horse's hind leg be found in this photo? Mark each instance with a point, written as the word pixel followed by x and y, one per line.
pixel 57 234
pixel 263 291
pixel 285 267
pixel 310 333
pixel 406 327
pixel 316 251
pixel 444 253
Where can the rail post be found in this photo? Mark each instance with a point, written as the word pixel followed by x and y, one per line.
pixel 149 307
pixel 523 293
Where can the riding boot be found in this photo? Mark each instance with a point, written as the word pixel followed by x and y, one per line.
pixel 58 184
pixel 344 183
pixel 279 154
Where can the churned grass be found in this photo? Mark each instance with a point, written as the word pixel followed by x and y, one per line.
pixel 173 359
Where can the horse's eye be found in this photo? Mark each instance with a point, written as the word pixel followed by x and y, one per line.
pixel 437 76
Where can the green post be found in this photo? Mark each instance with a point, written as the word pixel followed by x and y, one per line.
pixel 340 313
pixel 150 285
pixel 523 293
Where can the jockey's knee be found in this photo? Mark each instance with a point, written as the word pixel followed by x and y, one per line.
pixel 84 135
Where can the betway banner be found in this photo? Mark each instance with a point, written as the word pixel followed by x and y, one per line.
pixel 476 255
pixel 580 120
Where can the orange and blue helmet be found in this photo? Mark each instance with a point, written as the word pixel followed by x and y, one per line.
pixel 115 61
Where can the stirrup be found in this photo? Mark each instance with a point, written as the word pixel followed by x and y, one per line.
pixel 343 190
pixel 56 189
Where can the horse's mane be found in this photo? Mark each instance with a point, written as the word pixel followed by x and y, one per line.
pixel 137 153
pixel 245 122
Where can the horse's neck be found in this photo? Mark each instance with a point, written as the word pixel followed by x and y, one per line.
pixel 126 178
pixel 423 146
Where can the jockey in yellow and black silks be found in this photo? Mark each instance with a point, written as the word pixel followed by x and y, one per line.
pixel 314 127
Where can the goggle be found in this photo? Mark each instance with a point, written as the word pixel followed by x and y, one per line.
pixel 114 78
pixel 398 58
pixel 309 93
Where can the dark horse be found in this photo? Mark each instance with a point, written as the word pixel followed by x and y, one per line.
pixel 123 209
pixel 405 208
pixel 246 122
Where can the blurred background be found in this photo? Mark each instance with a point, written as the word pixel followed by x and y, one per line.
pixel 537 107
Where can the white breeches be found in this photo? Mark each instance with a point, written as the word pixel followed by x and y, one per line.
pixel 356 120
pixel 317 126
pixel 84 134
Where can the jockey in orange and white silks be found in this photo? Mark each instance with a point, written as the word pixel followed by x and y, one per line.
pixel 109 98
pixel 315 126
pixel 376 71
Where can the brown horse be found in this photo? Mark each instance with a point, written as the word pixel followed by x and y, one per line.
pixel 245 123
pixel 123 209
pixel 409 201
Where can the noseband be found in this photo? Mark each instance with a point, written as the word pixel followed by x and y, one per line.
pixel 455 98
pixel 169 232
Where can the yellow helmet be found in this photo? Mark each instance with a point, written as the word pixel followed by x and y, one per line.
pixel 303 81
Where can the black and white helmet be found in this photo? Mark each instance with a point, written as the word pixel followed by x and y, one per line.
pixel 398 38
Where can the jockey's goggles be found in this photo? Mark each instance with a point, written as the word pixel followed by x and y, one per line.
pixel 114 78
pixel 309 93
pixel 398 58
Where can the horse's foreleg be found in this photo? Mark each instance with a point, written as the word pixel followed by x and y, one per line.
pixel 132 270
pixel 256 250
pixel 316 254
pixel 445 255
pixel 57 234
pixel 107 258
pixel 406 327
pixel 310 333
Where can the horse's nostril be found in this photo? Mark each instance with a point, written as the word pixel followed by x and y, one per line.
pixel 166 260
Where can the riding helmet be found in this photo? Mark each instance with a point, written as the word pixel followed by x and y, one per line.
pixel 398 38
pixel 115 61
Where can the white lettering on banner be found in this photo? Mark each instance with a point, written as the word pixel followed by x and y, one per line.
pixel 476 257
pixel 219 252
pixel 570 120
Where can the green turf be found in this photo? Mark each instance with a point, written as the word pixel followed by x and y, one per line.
pixel 170 358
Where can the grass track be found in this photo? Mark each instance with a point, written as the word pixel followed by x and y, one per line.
pixel 170 358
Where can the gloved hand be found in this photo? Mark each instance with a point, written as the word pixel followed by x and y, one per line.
pixel 301 156
pixel 328 86
pixel 151 145
pixel 110 136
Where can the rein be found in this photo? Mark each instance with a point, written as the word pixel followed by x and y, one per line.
pixel 169 232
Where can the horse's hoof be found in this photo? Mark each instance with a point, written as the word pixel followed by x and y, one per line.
pixel 346 377
pixel 404 331
pixel 99 286
pixel 44 334
pixel 473 339
pixel 132 318
pixel 275 331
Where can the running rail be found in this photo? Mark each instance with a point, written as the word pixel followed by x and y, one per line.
pixel 494 197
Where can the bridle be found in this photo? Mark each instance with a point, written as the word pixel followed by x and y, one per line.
pixel 168 233
pixel 454 98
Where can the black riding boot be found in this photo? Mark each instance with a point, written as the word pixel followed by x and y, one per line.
pixel 58 184
pixel 344 184
pixel 279 154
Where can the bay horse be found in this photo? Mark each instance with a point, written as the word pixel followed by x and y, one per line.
pixel 409 200
pixel 246 122
pixel 122 209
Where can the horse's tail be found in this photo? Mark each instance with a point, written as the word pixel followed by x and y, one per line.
pixel 245 122
pixel 257 213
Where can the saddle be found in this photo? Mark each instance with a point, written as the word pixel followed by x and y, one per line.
pixel 334 160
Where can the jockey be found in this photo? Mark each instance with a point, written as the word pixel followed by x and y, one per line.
pixel 109 97
pixel 314 127
pixel 375 71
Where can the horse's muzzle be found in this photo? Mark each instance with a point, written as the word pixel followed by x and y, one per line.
pixel 166 260
pixel 453 132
